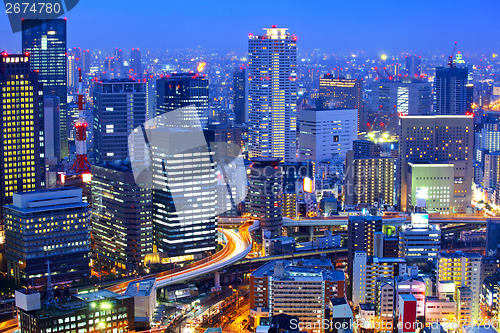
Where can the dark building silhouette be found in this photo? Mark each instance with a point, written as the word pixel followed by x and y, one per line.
pixel 45 42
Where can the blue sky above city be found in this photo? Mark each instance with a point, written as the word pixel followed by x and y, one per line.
pixel 332 26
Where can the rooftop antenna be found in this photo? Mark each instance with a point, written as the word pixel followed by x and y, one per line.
pixel 49 299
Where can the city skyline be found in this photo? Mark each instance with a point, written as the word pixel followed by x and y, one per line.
pixel 368 27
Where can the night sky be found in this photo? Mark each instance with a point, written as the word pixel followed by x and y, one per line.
pixel 330 25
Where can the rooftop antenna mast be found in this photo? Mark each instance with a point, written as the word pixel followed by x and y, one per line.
pixel 49 299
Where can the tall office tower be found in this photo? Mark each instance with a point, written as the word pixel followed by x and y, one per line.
pixel 121 216
pixel 493 237
pixel 118 64
pixel 22 153
pixel 366 269
pixel 180 90
pixel 451 91
pixel 464 269
pixel 408 96
pixel 360 237
pixel 151 98
pixel 119 107
pixel 413 67
pixel 62 218
pixel 370 180
pixel 71 75
pixel 239 95
pixel 45 41
pixel 51 125
pixel 436 142
pixel 325 134
pixel 272 94
pixel 420 241
pixel 86 62
pixel 265 190
pixel 341 93
pixel 300 288
pixel 184 209
pixel 135 62
pixel 491 170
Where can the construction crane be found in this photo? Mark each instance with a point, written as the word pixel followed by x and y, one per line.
pixel 450 58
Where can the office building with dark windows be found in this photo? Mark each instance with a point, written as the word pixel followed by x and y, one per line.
pixel 45 42
pixel 451 91
pixel 181 90
pixel 119 107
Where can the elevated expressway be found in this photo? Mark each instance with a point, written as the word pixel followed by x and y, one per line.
pixel 237 246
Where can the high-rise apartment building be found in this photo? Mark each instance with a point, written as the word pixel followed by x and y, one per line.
pixel 119 107
pixel 22 153
pixel 181 90
pixel 121 216
pixel 451 91
pixel 300 288
pixel 440 139
pixel 341 93
pixel 45 42
pixel 360 237
pixel 325 134
pixel 272 94
pixel 464 269
pixel 239 95
pixel 366 270
pixel 265 191
pixel 47 225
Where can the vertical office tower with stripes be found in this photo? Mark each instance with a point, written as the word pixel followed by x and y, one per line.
pixel 21 130
pixel 45 41
pixel 272 94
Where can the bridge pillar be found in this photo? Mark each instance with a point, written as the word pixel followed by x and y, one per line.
pixel 311 233
pixel 217 279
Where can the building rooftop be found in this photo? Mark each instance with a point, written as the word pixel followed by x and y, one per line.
pixel 460 254
pixel 99 295
pixel 141 288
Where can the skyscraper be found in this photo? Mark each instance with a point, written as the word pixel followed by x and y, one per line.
pixel 48 225
pixel 239 94
pixel 45 42
pixel 22 151
pixel 341 93
pixel 413 67
pixel 119 107
pixel 272 94
pixel 451 91
pixel 436 140
pixel 135 62
pixel 121 216
pixel 180 90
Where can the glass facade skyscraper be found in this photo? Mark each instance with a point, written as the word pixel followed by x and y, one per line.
pixel 45 42
pixel 451 91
